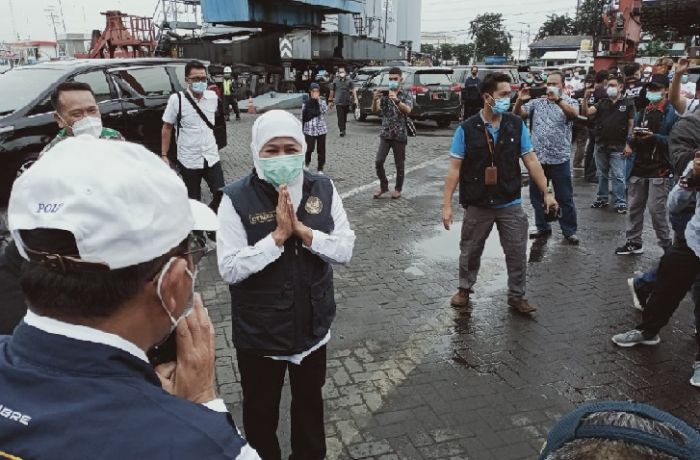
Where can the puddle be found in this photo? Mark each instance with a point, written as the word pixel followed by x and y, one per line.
pixel 444 246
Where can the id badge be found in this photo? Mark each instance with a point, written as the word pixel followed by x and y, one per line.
pixel 491 175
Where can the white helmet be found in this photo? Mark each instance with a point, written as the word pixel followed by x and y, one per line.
pixel 227 69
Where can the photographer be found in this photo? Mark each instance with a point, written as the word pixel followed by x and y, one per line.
pixel 102 296
pixel 677 272
pixel 651 175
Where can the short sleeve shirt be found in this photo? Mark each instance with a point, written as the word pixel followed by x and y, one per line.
pixel 612 121
pixel 107 133
pixel 195 141
pixel 458 149
pixel 393 120
pixel 343 87
pixel 551 129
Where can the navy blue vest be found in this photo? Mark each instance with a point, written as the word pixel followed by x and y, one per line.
pixel 472 189
pixel 67 398
pixel 289 306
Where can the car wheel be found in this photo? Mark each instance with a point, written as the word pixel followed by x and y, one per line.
pixel 443 123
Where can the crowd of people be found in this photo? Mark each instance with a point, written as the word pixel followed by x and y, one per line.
pixel 104 325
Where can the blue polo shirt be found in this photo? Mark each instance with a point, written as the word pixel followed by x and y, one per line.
pixel 459 143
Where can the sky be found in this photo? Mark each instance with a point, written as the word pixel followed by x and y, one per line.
pixel 32 21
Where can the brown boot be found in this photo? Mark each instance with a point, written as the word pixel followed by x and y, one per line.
pixel 522 305
pixel 460 299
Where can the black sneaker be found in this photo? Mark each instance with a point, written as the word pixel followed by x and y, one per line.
pixel 629 248
pixel 621 208
pixel 342 134
pixel 599 204
pixel 537 234
pixel 572 240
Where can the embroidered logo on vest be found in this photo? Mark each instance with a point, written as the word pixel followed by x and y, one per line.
pixel 262 217
pixel 314 205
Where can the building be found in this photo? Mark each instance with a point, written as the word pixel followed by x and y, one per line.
pixel 397 22
pixel 558 43
pixel 71 44
pixel 31 51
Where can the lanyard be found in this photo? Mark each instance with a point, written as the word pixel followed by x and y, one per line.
pixel 489 141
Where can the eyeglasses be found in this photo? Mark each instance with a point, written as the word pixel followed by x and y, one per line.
pixel 198 246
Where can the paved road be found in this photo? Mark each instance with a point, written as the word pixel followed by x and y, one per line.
pixel 410 377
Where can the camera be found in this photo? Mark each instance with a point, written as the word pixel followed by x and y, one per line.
pixel 552 214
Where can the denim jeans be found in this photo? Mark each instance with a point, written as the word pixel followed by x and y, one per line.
pixel 611 167
pixel 560 175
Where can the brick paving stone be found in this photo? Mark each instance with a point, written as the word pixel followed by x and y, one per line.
pixel 409 377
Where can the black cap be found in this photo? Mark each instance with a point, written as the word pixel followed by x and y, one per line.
pixel 658 80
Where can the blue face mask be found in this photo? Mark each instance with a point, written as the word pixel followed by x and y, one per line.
pixel 655 96
pixel 393 85
pixel 282 169
pixel 502 105
pixel 199 86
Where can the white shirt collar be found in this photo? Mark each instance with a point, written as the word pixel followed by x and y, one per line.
pixel 84 333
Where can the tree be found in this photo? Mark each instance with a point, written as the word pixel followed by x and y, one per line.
pixel 490 36
pixel 428 49
pixel 463 53
pixel 556 25
pixel 588 18
pixel 446 51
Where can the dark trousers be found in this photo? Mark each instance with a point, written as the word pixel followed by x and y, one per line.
pixel 212 175
pixel 262 380
pixel 318 142
pixel 560 176
pixel 678 270
pixel 399 149
pixel 471 107
pixel 342 111
pixel 228 102
pixel 590 170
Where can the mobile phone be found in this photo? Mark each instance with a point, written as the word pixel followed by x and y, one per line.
pixel 641 130
pixel 165 352
pixel 537 92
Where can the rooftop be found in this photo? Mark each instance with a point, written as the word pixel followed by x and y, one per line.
pixel 571 42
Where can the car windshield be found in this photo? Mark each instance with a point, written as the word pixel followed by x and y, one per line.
pixel 433 79
pixel 20 86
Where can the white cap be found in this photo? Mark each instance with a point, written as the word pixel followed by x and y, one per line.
pixel 122 203
pixel 227 69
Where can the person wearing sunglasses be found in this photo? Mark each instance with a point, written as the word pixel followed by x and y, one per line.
pixel 110 248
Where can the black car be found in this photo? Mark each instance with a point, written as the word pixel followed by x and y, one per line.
pixel 435 96
pixel 132 95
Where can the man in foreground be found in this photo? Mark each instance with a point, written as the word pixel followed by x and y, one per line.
pixel 485 162
pixel 102 296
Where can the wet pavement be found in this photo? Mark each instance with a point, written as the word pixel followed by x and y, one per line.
pixel 410 377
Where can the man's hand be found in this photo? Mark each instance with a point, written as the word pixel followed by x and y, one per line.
pixel 683 66
pixel 696 165
pixel 588 93
pixel 627 151
pixel 393 96
pixel 192 375
pixel 550 202
pixel 284 223
pixel 376 95
pixel 524 95
pixel 447 217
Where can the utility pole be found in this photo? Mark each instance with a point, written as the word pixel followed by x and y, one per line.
pixel 53 17
pixel 386 18
pixel 63 16
pixel 12 18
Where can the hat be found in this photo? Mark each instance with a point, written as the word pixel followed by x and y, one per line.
pixel 123 205
pixel 314 85
pixel 658 80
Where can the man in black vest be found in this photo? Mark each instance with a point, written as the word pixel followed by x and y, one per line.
pixel 280 230
pixel 485 155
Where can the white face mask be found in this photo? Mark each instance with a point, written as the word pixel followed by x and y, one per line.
pixel 612 91
pixel 190 303
pixel 92 126
pixel 554 90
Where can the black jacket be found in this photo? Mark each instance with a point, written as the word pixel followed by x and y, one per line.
pixel 12 305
